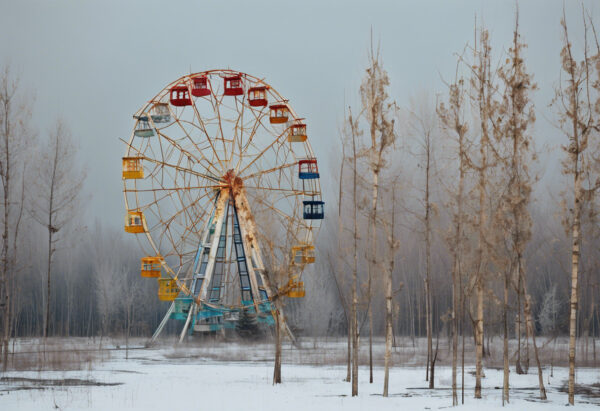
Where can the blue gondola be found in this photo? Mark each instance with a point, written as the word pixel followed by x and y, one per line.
pixel 313 210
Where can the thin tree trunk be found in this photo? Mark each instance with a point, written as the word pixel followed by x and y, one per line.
pixel 518 367
pixel 51 231
pixel 48 268
pixel 7 327
pixel 355 339
pixel 389 334
pixel 505 386
pixel 529 324
pixel 479 338
pixel 428 296
pixel 526 361
pixel 427 330
pixel 456 272
pixel 574 278
pixel 482 184
pixel 455 310
pixel 370 341
pixel 345 304
pixel 434 359
pixel 462 331
pixel 349 359
pixel 388 327
pixel 4 285
pixel 127 330
pixel 372 265
pixel 277 368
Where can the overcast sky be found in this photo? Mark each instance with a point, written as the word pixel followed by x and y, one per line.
pixel 94 63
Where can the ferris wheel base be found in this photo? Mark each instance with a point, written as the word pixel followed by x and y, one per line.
pixel 210 319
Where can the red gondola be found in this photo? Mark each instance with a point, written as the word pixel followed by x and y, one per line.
pixel 180 96
pixel 257 96
pixel 200 87
pixel 233 86
pixel 279 113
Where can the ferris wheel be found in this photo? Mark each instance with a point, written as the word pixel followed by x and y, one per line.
pixel 222 190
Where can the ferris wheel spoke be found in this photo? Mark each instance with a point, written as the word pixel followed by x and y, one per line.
pixel 271 207
pixel 259 155
pixel 183 150
pixel 257 124
pixel 188 216
pixel 184 170
pixel 203 128
pixel 282 190
pixel 185 188
pixel 185 208
pixel 158 200
pixel 239 129
pixel 271 170
pixel 216 108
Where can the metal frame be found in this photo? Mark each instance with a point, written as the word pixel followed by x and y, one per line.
pixel 217 148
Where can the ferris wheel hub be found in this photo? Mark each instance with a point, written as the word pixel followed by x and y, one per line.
pixel 232 181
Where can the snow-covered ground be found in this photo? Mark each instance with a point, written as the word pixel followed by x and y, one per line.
pixel 231 376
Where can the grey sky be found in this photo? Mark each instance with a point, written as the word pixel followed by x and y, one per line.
pixel 96 62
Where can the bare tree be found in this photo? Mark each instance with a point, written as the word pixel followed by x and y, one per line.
pixel 423 125
pixel 58 190
pixel 516 117
pixel 578 123
pixel 15 141
pixel 379 112
pixel 279 273
pixel 453 122
pixel 355 133
pixel 341 260
pixel 108 278
pixel 483 89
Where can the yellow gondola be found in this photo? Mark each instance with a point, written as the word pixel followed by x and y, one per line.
pixel 167 289
pixel 132 168
pixel 303 254
pixel 296 289
pixel 134 222
pixel 151 267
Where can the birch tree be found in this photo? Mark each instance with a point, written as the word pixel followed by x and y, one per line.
pixel 393 244
pixel 577 119
pixel 484 164
pixel 480 83
pixel 379 112
pixel 518 116
pixel 58 187
pixel 452 119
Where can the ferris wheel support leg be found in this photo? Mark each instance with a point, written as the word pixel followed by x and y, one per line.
pixel 162 324
pixel 187 322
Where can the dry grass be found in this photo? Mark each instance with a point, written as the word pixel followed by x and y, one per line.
pixel 56 354
pixel 62 354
